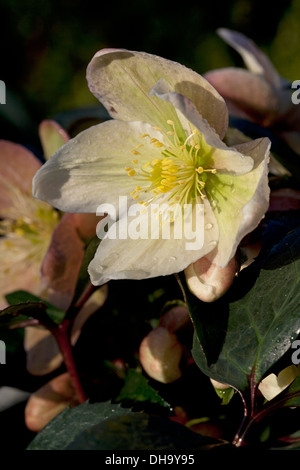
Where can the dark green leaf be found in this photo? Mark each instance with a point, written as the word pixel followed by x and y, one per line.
pixel 21 297
pixel 137 431
pixel 17 315
pixel 225 394
pixel 262 322
pixel 104 426
pixel 71 422
pixel 137 389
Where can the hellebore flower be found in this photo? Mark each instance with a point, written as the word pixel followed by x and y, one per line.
pixel 162 150
pixel 41 250
pixel 26 224
pixel 258 94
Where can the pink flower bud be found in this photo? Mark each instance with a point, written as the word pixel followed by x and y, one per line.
pixel 161 354
pixel 49 401
pixel 207 281
pixel 175 318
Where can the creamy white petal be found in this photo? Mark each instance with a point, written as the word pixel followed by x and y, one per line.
pixel 223 158
pixel 122 79
pixel 241 201
pixel 140 258
pixel 89 170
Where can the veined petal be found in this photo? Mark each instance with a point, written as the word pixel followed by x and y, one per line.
pixel 20 267
pixel 246 94
pixel 89 170
pixel 141 255
pixel 62 261
pixel 52 137
pixel 240 202
pixel 122 79
pixel 255 60
pixel 86 225
pixel 17 167
pixel 14 157
pixel 223 158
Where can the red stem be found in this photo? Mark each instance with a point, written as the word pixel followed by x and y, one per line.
pixel 61 334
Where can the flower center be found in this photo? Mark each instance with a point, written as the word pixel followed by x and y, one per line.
pixel 34 227
pixel 179 172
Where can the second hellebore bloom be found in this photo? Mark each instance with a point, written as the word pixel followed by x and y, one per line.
pixel 163 147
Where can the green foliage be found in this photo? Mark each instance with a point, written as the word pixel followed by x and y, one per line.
pixel 103 426
pixel 24 305
pixel 136 389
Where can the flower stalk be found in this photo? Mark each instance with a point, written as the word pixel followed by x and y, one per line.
pixel 62 336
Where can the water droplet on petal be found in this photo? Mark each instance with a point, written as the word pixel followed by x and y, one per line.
pixel 208 226
pixel 213 243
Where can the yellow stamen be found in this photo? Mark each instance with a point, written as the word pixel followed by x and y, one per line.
pixel 175 172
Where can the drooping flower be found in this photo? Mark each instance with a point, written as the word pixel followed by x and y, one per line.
pixel 163 149
pixel 258 94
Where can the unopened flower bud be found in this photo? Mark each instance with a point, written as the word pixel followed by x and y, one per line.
pixel 49 401
pixel 161 354
pixel 209 282
pixel 272 385
pixel 219 385
pixel 175 318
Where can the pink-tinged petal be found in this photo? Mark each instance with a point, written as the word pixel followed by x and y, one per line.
pixel 16 272
pixel 86 224
pixel 209 282
pixel 175 319
pixel 42 352
pixel 43 355
pixel 17 165
pixel 122 79
pixel 246 94
pixel 48 401
pixel 161 355
pixel 52 137
pixel 255 60
pixel 62 261
pixel 94 303
pixel 17 168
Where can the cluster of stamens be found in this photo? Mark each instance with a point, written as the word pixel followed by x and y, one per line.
pixel 179 172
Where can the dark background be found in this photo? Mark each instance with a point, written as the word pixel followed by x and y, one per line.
pixel 46 45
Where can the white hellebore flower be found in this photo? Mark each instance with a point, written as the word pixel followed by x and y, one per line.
pixel 162 150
